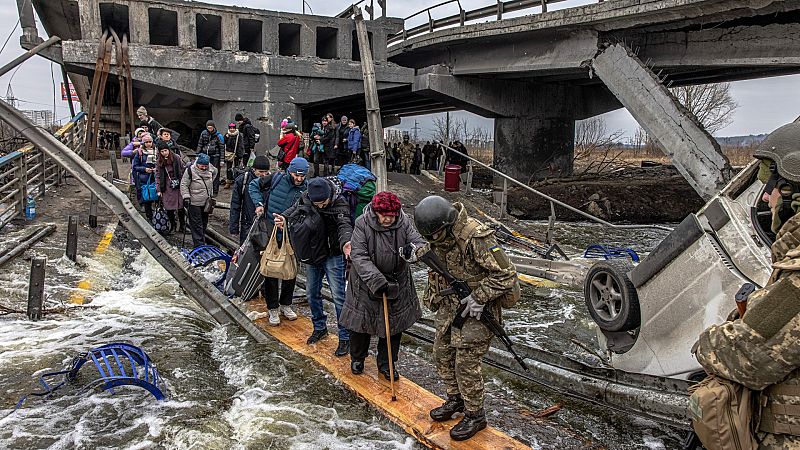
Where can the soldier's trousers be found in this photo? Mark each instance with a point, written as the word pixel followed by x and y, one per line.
pixel 461 371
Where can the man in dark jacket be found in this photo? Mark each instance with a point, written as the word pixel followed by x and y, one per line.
pixel 337 229
pixel 248 134
pixel 243 208
pixel 341 147
pixel 152 123
pixel 213 144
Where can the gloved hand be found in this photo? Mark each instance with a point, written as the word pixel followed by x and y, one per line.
pixel 473 309
pixel 408 252
pixel 381 291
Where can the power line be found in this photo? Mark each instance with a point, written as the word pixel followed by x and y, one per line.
pixel 12 30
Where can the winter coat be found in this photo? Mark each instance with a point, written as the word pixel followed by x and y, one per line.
pixel 127 151
pixel 140 175
pixel 290 143
pixel 172 145
pixel 280 194
pixel 336 218
pixel 354 139
pixel 212 143
pixel 376 261
pixel 243 209
pixel 164 174
pixel 342 131
pixel 153 125
pixel 248 132
pixel 234 143
pixel 328 139
pixel 199 185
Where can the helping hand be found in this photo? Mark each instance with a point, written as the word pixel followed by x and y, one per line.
pixel 346 250
pixel 408 252
pixel 473 309
pixel 259 210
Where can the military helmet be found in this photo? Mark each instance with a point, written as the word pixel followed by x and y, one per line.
pixel 783 147
pixel 433 214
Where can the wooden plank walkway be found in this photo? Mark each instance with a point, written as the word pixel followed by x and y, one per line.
pixel 410 411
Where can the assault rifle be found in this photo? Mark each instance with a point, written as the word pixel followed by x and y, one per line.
pixel 462 290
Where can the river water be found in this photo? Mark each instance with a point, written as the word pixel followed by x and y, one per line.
pixel 224 390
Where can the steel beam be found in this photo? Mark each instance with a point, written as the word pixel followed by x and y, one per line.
pixel 27 55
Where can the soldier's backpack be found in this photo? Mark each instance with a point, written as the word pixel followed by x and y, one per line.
pixel 722 414
pixel 307 234
pixel 474 229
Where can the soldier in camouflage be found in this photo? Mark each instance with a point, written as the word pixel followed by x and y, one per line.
pixel 471 253
pixel 407 152
pixel 762 349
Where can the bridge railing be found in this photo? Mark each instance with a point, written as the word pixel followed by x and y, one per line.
pixel 29 171
pixel 496 10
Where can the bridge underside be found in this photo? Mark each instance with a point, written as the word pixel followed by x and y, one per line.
pixel 532 74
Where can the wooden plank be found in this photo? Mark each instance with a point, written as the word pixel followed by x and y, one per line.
pixel 410 411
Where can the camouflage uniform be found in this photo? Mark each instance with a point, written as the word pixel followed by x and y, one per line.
pixel 471 254
pixel 761 351
pixel 407 152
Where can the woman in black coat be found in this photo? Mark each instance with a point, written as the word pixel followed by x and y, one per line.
pixel 378 269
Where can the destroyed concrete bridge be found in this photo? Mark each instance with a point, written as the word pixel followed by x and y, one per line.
pixel 535 75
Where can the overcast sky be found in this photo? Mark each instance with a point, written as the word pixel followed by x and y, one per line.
pixel 764 104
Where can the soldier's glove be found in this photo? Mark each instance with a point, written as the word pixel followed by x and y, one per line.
pixel 408 252
pixel 473 309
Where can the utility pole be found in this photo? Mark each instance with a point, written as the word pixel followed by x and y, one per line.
pixel 447 128
pixel 377 153
pixel 416 131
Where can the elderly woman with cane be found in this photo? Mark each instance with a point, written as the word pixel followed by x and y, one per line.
pixel 380 276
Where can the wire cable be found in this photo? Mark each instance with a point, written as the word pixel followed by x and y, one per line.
pixel 12 30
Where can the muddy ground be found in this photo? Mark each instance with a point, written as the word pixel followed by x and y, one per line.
pixel 634 195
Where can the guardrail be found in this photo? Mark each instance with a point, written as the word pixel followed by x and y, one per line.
pixel 553 201
pixel 30 171
pixel 497 10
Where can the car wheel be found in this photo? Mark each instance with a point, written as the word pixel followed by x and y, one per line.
pixel 611 297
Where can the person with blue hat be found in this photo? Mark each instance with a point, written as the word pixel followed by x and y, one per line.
pixel 321 232
pixel 197 186
pixel 277 193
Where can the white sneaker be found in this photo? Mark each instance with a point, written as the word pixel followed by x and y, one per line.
pixel 287 312
pixel 274 317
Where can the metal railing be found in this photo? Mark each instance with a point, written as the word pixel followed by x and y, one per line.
pixel 553 201
pixel 28 171
pixel 497 10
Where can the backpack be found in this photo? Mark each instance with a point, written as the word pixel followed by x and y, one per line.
pixel 722 413
pixel 256 134
pixel 306 226
pixel 353 177
pixel 260 234
pixel 473 229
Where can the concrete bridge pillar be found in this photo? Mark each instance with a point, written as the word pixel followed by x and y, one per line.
pixel 529 148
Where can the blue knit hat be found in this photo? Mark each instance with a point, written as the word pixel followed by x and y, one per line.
pixel 319 189
pixel 298 166
pixel 203 158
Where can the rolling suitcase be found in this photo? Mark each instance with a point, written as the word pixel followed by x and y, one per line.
pixel 243 278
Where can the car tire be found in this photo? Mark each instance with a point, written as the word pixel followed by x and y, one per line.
pixel 611 297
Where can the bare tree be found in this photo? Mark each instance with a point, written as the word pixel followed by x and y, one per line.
pixel 711 103
pixel 442 128
pixel 596 149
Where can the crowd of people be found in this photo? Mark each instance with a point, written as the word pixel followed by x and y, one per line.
pixel 363 243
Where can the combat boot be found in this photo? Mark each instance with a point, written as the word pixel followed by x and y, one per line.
pixel 454 404
pixel 469 425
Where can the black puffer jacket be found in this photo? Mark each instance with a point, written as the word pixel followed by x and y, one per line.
pixel 336 217
pixel 211 143
pixel 248 132
pixel 376 260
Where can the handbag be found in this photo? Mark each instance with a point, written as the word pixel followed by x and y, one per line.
pixel 279 261
pixel 160 219
pixel 211 202
pixel 149 193
pixel 260 233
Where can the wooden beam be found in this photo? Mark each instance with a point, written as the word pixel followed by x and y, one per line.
pixel 409 411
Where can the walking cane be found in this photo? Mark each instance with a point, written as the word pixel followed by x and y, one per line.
pixel 389 344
